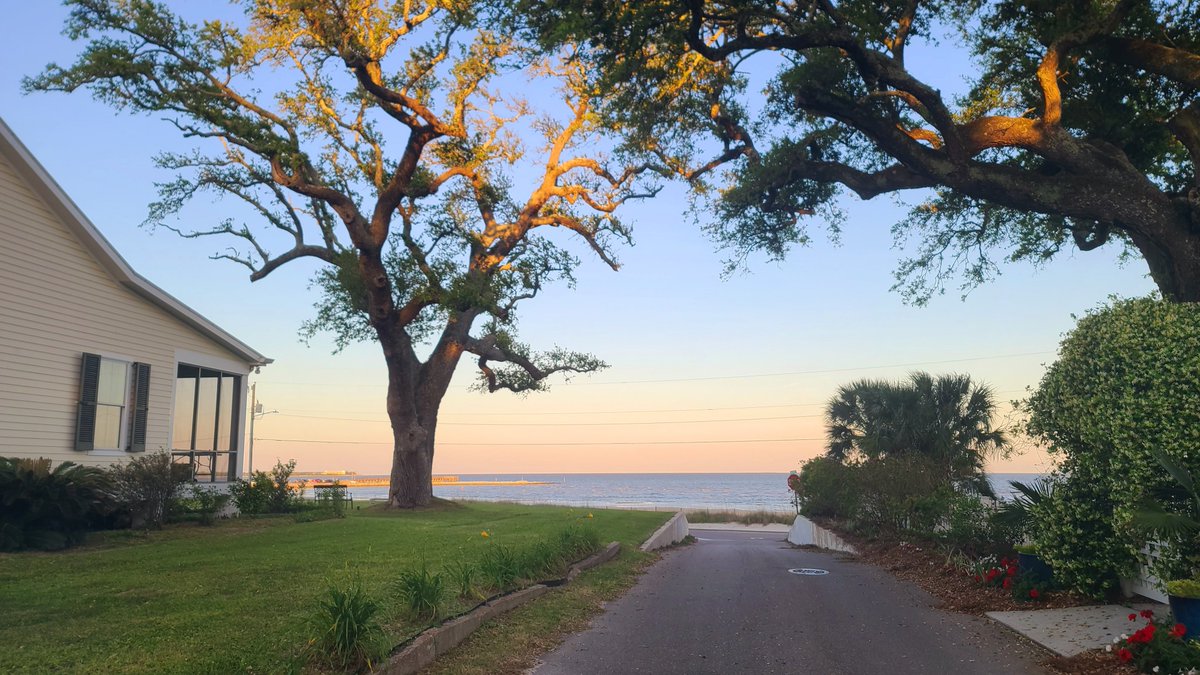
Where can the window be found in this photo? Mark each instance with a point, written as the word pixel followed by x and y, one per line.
pixel 113 404
pixel 112 398
pixel 206 422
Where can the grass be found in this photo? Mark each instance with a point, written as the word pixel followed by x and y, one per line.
pixel 512 643
pixel 744 517
pixel 239 597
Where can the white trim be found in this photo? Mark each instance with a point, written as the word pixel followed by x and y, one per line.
pixel 91 238
pixel 206 361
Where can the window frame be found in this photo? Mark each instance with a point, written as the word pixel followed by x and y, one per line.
pixel 123 439
pixel 191 455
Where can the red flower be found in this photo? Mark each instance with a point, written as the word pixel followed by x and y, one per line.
pixel 978 578
pixel 1033 593
pixel 1144 635
pixel 1007 582
pixel 1147 614
pixel 1012 571
pixel 1124 655
pixel 992 574
pixel 1178 630
pixel 1004 562
pixel 1133 617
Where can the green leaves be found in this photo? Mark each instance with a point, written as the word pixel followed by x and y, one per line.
pixel 1121 408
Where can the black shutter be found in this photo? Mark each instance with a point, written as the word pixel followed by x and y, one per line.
pixel 89 388
pixel 141 403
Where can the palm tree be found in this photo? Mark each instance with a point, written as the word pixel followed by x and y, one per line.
pixel 945 419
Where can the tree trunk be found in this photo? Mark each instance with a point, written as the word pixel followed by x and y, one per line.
pixel 415 392
pixel 411 482
pixel 1174 265
pixel 414 425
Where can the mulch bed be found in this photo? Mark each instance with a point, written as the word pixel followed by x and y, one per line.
pixel 955 591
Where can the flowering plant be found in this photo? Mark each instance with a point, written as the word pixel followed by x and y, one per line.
pixel 1157 647
pixel 990 572
pixel 1005 573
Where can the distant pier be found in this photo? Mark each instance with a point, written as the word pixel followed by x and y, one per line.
pixel 348 479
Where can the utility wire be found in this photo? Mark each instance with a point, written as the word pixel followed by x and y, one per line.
pixel 735 377
pixel 443 413
pixel 565 424
pixel 737 440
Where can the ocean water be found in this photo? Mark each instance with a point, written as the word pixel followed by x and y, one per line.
pixel 739 491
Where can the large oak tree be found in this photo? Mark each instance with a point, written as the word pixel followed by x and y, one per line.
pixel 1080 125
pixel 390 142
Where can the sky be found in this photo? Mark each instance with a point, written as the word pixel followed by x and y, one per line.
pixel 708 373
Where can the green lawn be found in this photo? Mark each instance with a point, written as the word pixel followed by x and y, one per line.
pixel 236 597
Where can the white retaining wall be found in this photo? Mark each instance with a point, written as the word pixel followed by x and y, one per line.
pixel 672 532
pixel 807 533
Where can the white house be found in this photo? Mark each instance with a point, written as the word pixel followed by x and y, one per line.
pixel 96 362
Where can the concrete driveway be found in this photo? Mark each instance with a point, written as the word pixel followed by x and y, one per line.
pixel 727 604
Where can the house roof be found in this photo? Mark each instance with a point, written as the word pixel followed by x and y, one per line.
pixel 104 253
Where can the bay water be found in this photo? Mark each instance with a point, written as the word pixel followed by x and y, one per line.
pixel 650 491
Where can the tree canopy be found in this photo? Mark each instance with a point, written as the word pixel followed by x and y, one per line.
pixel 1079 127
pixel 392 142
pixel 946 420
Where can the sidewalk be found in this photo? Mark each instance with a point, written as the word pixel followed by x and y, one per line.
pixel 741 527
pixel 1072 630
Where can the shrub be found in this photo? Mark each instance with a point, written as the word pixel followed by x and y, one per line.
pixel 971 525
pixel 899 494
pixel 1184 588
pixel 827 489
pixel 463 576
pixel 347 631
pixel 206 503
pixel 423 592
pixel 267 492
pixel 542 559
pixel 500 567
pixel 1127 380
pixel 147 487
pixel 1076 533
pixel 46 508
pixel 578 541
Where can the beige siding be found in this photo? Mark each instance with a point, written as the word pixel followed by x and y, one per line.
pixel 57 302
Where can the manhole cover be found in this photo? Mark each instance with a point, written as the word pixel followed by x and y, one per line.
pixel 808 572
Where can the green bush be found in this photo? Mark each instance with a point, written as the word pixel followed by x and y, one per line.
pixel 827 489
pixel 49 509
pixel 1184 588
pixel 205 503
pixel 1127 380
pixel 463 576
pixel 579 541
pixel 423 592
pixel 500 567
pixel 347 632
pixel 147 487
pixel 268 492
pixel 899 494
pixel 971 526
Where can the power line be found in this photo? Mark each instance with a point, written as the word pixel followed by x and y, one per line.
pixel 735 377
pixel 704 442
pixel 598 412
pixel 565 424
pixel 577 412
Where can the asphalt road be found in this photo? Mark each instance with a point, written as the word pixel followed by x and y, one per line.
pixel 727 604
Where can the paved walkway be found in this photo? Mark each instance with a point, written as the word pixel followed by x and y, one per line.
pixel 1072 630
pixel 727 604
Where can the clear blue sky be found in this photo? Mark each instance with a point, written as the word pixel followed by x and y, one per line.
pixel 820 319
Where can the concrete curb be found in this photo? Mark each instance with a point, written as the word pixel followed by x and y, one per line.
pixel 434 642
pixel 672 532
pixel 805 532
pixel 600 558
